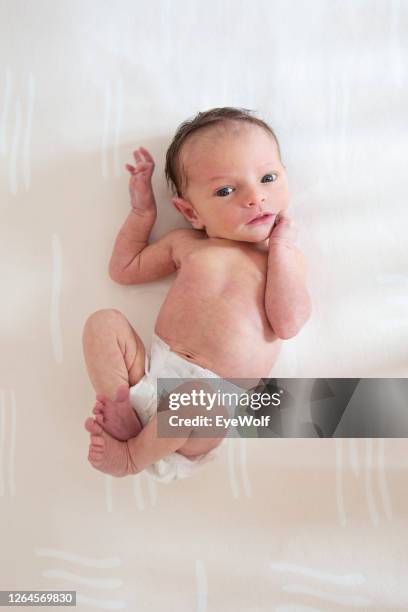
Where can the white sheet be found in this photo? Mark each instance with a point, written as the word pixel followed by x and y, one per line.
pixel 281 525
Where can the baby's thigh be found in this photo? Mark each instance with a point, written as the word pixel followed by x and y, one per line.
pixel 110 341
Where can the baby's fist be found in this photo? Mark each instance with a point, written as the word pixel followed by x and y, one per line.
pixel 284 228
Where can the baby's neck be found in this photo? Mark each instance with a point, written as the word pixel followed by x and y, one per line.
pixel 261 247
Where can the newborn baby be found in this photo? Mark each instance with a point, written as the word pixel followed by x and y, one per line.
pixel 239 290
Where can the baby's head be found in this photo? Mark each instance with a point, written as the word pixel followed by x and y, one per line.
pixel 224 168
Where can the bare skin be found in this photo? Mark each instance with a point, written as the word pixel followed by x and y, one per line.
pixel 106 453
pixel 117 416
pixel 240 289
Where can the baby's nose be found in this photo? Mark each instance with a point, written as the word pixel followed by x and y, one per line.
pixel 254 200
pixel 253 195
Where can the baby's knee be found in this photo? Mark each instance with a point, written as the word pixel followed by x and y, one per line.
pixel 104 318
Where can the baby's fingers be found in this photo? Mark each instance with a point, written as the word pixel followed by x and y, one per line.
pixel 283 216
pixel 142 168
pixel 146 155
pixel 137 156
pixel 142 155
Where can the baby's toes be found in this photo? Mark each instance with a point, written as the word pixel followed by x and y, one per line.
pixel 98 408
pixel 95 458
pixel 99 418
pixel 95 451
pixel 97 441
pixel 96 445
pixel 93 427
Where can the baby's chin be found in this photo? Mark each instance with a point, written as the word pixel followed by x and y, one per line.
pixel 259 237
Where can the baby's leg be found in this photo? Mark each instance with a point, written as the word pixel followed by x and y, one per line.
pixel 132 456
pixel 115 357
pixel 136 454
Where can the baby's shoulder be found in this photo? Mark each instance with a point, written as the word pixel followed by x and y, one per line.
pixel 184 241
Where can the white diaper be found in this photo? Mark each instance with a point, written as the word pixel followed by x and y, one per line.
pixel 164 363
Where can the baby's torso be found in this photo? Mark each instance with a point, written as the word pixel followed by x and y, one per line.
pixel 214 314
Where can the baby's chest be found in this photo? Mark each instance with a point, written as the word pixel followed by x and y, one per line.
pixel 229 273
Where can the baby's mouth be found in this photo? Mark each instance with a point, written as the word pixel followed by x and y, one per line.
pixel 261 219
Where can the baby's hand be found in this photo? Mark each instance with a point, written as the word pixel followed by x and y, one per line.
pixel 283 230
pixel 140 185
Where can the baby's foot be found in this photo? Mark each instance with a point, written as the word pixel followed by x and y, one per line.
pixel 117 416
pixel 107 454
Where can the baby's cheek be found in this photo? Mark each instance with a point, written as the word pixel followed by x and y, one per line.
pixel 281 192
pixel 229 219
pixel 284 201
pixel 281 207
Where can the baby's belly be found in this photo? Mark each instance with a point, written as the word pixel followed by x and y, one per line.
pixel 234 341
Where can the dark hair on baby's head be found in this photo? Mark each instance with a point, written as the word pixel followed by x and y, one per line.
pixel 175 175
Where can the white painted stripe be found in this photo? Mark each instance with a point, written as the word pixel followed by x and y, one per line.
pixel 55 553
pixel 27 135
pixel 339 482
pixel 384 493
pixel 368 483
pixel 343 149
pixel 394 323
pixel 152 488
pixel 108 492
pixel 399 300
pixel 303 570
pixel 137 491
pixel 201 586
pixel 14 150
pixel 231 467
pixel 396 62
pixel 55 325
pixel 3 121
pixel 341 600
pixel 118 126
pixel 99 583
pixel 392 279
pixel 2 438
pixel 244 467
pixel 105 134
pixel 297 608
pixel 353 454
pixel 13 428
pixel 331 123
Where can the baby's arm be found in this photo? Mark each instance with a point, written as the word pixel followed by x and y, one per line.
pixel 287 301
pixel 133 261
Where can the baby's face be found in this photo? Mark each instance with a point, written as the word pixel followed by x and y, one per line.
pixel 233 177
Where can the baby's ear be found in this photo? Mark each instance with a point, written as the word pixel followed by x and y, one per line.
pixel 176 202
pixel 188 212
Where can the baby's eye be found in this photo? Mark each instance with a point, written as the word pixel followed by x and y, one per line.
pixel 219 192
pixel 272 174
pixel 222 192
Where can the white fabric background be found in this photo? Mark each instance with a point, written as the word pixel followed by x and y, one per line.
pixel 273 524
